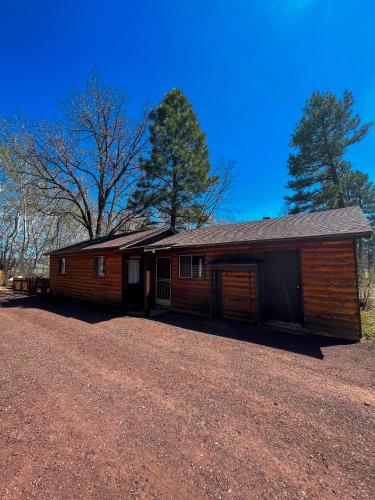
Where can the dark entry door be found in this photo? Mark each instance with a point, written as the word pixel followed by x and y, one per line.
pixel 282 300
pixel 134 292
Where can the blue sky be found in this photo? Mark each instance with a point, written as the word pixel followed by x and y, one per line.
pixel 246 65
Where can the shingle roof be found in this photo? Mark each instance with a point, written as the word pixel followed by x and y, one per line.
pixel 116 242
pixel 339 223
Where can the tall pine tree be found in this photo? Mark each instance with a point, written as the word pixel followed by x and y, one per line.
pixel 176 174
pixel 321 138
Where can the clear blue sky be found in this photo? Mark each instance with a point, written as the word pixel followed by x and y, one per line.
pixel 246 65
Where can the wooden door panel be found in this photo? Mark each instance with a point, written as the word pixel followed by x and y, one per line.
pixel 282 301
pixel 238 294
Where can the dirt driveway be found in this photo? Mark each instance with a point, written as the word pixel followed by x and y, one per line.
pixel 95 404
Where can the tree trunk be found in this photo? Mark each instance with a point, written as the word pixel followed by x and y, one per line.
pixel 336 182
pixel 173 220
pixel 174 200
pixel 99 221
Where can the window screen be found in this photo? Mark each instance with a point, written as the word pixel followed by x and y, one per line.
pixel 99 267
pixel 185 266
pixel 62 266
pixel 198 270
pixel 192 266
pixel 133 271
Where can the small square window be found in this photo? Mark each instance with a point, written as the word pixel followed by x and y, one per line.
pixel 192 266
pixel 62 266
pixel 99 267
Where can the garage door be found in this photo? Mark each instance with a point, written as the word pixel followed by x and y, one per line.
pixel 238 294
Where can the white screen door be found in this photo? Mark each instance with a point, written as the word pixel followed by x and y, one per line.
pixel 163 281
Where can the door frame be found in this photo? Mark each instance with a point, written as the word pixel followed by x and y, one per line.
pixel 300 290
pixel 163 302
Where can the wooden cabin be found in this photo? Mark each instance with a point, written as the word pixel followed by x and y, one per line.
pixel 97 270
pixel 295 273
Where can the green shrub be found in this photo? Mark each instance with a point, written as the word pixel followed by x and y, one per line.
pixel 368 324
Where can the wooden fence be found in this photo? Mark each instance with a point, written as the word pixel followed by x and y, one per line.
pixel 32 286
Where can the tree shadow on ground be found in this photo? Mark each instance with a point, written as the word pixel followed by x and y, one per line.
pixel 80 310
pixel 307 345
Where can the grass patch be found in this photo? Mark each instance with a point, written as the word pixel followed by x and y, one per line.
pixel 368 324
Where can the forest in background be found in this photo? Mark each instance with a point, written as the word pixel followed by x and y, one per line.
pixel 97 171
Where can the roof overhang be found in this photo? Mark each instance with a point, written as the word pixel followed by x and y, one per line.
pixel 333 237
pixel 134 244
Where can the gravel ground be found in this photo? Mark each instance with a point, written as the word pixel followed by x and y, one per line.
pixel 93 404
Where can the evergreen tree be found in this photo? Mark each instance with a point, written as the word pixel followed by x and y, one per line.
pixel 321 138
pixel 176 174
pixel 359 190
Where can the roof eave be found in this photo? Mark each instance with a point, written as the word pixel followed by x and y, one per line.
pixel 340 236
pixel 84 250
pixel 68 251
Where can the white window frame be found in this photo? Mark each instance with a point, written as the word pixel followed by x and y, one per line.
pixel 191 266
pixel 62 268
pixel 100 272
pixel 138 261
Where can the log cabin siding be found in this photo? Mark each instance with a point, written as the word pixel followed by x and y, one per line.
pixel 238 294
pixel 329 289
pixel 79 282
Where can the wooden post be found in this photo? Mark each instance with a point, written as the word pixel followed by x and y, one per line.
pixel 146 285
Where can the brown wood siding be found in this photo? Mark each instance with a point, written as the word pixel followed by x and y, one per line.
pixel 329 284
pixel 79 282
pixel 189 294
pixel 329 292
pixel 193 295
pixel 238 294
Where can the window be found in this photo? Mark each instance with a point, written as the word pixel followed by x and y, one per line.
pixel 185 266
pixel 99 267
pixel 133 271
pixel 62 266
pixel 192 266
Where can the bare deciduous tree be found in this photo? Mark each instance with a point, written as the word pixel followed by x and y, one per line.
pixel 223 176
pixel 30 225
pixel 88 161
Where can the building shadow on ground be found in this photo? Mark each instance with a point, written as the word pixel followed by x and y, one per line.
pixel 307 345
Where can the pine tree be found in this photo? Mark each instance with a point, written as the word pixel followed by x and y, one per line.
pixel 176 174
pixel 360 191
pixel 321 138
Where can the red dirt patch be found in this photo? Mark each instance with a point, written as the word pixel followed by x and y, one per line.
pixel 96 404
